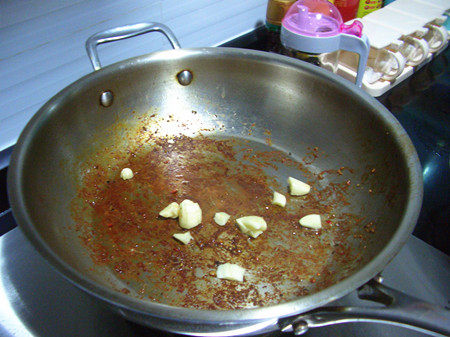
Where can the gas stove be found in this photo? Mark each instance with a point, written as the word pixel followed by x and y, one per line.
pixel 37 301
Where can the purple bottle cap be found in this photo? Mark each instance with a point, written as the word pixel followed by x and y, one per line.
pixel 318 18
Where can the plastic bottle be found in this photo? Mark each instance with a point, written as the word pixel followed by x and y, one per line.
pixel 347 8
pixel 311 28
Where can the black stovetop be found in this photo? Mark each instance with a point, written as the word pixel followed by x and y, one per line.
pixel 421 104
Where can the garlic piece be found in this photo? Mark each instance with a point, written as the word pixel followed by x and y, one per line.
pixel 298 187
pixel 171 211
pixel 126 174
pixel 221 218
pixel 190 214
pixel 229 271
pixel 183 237
pixel 279 199
pixel 311 221
pixel 252 225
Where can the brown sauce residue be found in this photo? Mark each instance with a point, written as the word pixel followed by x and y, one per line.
pixel 118 222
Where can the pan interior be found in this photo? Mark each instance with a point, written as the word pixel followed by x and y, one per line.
pixel 226 141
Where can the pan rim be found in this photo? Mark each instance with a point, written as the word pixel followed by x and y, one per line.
pixel 303 304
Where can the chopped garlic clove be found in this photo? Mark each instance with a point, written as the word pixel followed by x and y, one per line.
pixel 126 174
pixel 253 222
pixel 221 218
pixel 254 234
pixel 279 199
pixel 229 271
pixel 190 214
pixel 311 221
pixel 183 237
pixel 298 187
pixel 171 211
pixel 252 225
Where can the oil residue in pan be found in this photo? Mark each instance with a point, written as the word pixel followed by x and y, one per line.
pixel 119 224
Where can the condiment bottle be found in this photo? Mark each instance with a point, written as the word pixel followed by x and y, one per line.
pixel 276 9
pixel 347 8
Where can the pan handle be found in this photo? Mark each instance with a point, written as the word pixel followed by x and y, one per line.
pixel 125 32
pixel 399 309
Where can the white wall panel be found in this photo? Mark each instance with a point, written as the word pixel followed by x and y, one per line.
pixel 42 42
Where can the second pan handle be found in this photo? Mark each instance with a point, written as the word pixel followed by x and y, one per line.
pixel 125 32
pixel 399 309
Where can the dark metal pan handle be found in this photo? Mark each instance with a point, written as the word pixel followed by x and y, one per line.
pixel 125 32
pixel 399 309
pixel 7 221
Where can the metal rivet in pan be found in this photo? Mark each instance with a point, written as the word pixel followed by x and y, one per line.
pixel 378 278
pixel 185 77
pixel 106 98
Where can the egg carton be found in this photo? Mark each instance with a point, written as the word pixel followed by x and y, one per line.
pixel 380 87
pixel 387 27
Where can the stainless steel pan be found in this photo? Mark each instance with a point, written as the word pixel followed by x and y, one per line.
pixel 223 127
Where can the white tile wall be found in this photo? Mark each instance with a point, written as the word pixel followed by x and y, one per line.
pixel 42 42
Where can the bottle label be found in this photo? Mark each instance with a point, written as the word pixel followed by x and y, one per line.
pixel 368 6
